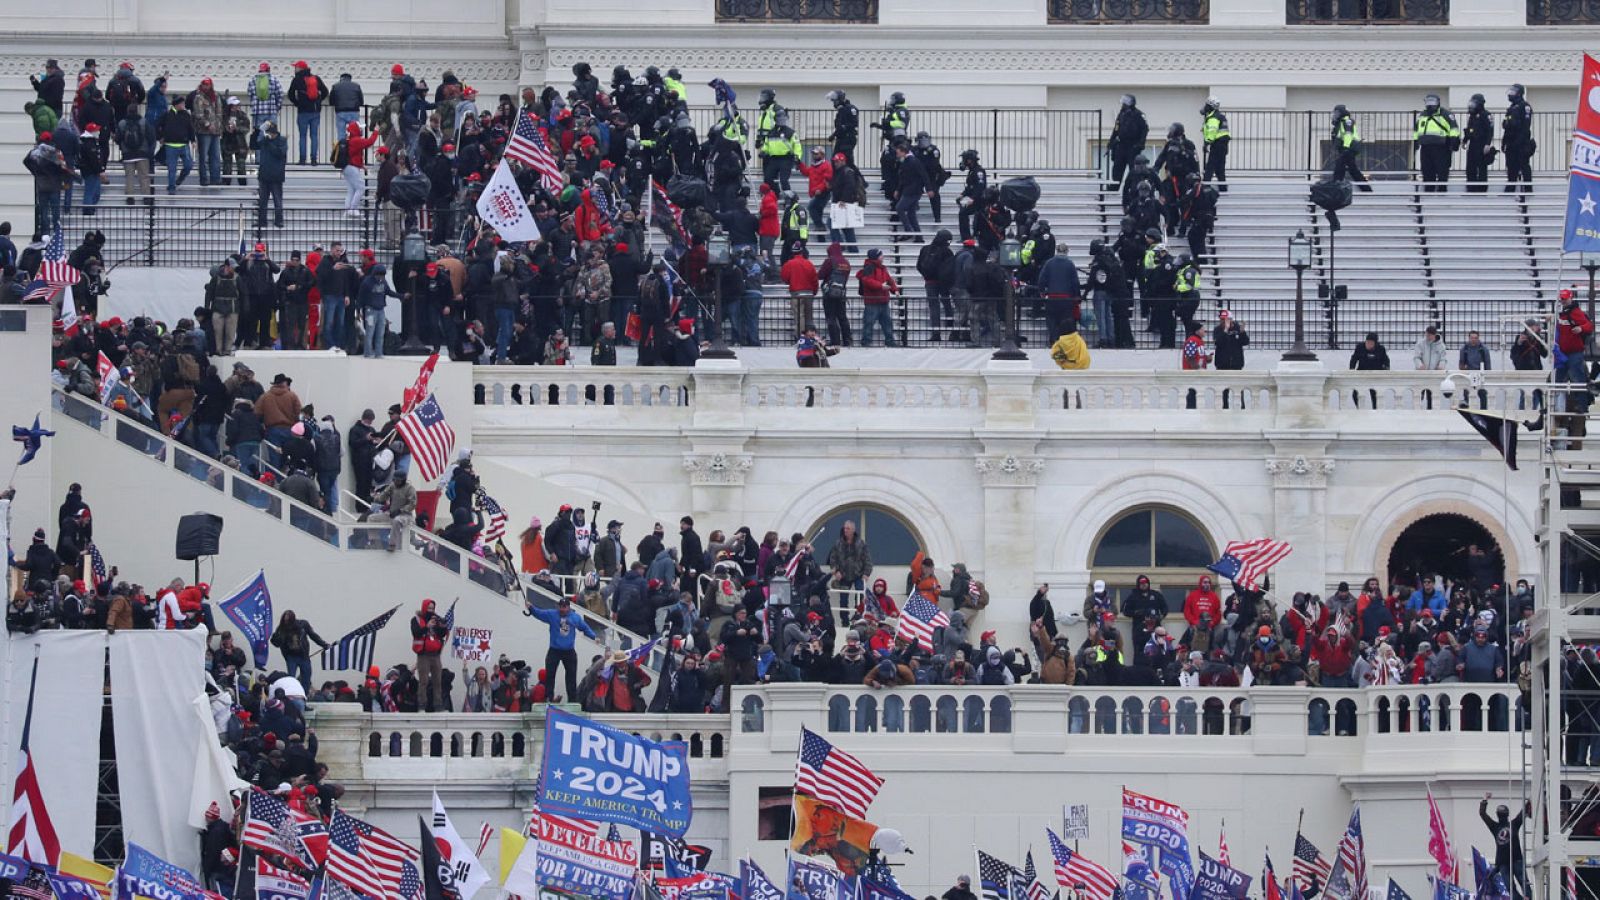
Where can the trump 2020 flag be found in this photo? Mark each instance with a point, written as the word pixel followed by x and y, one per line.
pixel 250 608
pixel 1582 231
pixel 31 439
pixel 503 208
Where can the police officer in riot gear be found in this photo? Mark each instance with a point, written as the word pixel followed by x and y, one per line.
pixel 1215 136
pixel 1199 214
pixel 1139 173
pixel 971 199
pixel 1516 140
pixel 1160 275
pixel 1435 138
pixel 895 119
pixel 1346 141
pixel 1178 156
pixel 779 149
pixel 1147 210
pixel 927 153
pixel 1186 284
pixel 846 126
pixel 1127 138
pixel 1478 137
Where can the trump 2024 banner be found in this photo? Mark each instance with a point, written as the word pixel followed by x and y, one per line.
pixel 602 774
pixel 1582 232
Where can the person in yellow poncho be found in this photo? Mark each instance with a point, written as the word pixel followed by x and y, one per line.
pixel 1070 351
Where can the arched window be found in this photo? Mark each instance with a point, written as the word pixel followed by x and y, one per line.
pixel 891 539
pixel 1158 541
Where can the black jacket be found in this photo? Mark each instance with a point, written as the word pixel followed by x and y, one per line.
pixel 913 176
pixel 177 127
pixel 1130 132
pixel 1230 344
pixel 299 95
pixel 1376 359
pixel 345 96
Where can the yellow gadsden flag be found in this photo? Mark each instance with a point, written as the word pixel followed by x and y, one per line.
pixel 821 830
pixel 89 870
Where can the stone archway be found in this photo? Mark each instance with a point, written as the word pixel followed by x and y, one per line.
pixel 1457 519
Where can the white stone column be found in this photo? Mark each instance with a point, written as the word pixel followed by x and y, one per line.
pixel 1300 467
pixel 1010 475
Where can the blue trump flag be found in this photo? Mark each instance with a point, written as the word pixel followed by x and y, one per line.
pixel 250 608
pixel 1444 890
pixel 67 887
pixel 603 774
pixel 13 868
pixel 31 439
pixel 814 881
pixel 757 886
pixel 1581 232
pixel 145 874
pixel 877 890
pixel 1215 881
pixel 1489 888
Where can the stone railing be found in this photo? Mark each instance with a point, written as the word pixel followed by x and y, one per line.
pixel 411 746
pixel 1002 395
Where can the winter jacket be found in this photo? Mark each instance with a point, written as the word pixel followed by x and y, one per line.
pixel 1475 358
pixel 1374 360
pixel 1429 355
pixel 177 127
pixel 876 283
pixel 800 275
pixel 345 96
pixel 1230 344
pixel 1572 328
pixel 769 226
pixel 206 110
pixel 307 91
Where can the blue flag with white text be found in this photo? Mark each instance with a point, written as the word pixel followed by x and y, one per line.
pixel 1581 232
pixel 757 886
pixel 250 608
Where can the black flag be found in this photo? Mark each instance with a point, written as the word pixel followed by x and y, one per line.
pixel 1500 432
pixel 438 880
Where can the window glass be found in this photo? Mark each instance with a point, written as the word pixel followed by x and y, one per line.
pixel 1126 542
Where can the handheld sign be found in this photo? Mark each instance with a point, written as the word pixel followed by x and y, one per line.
pixel 602 774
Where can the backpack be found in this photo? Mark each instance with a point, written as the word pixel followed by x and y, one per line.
pixel 838 286
pixel 119 93
pixel 311 88
pixel 263 86
pixel 341 154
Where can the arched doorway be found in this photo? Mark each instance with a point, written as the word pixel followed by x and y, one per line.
pixel 1440 544
pixel 891 540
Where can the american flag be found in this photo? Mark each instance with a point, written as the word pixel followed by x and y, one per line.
pixel 494 520
pixel 485 833
pixel 371 861
pixel 1269 880
pixel 108 378
pixel 1027 886
pixel 1243 562
pixel 528 147
pixel 34 886
pixel 32 834
pixel 918 620
pixel 1349 878
pixel 267 826
pixel 97 568
pixel 273 881
pixel 833 776
pixel 354 650
pixel 994 878
pixel 54 274
pixel 793 565
pixel 429 438
pixel 1073 869
pixel 1222 844
pixel 661 210
pixel 1309 863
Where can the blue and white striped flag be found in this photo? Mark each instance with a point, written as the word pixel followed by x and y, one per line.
pixel 354 650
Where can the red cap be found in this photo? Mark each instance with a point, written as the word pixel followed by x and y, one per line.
pixel 261 248
pixel 431 268
pixel 78 586
pixel 469 91
pixel 264 68
pixel 987 637
pixel 1224 314
pixel 397 70
pixel 352 128
pixel 1565 293
pixel 653 583
pixel 447 148
pixel 92 127
pixel 622 247
pixel 565 507
pixel 44 137
pixel 205 81
pixel 686 325
pixel 587 141
pixel 63 363
pixel 607 164
pixel 366 253
pixel 125 65
pixel 969 242
pixel 475 177
pixel 383 151
pixel 1383 631
pixel 114 322
pixel 301 64
pixel 1264 631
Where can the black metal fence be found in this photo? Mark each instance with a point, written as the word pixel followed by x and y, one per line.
pixel 853 11
pixel 1368 12
pixel 169 235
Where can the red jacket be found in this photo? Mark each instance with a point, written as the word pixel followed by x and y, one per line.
pixel 876 283
pixel 588 222
pixel 357 146
pixel 1202 602
pixel 769 225
pixel 1572 328
pixel 800 275
pixel 818 177
pixel 1335 656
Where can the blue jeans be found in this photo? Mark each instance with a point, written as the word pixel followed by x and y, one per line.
pixel 750 327
pixel 66 197
pixel 299 668
pixel 46 210
pixel 309 124
pixel 277 436
pixel 344 119
pixel 209 150
pixel 329 483
pixel 732 315
pixel 876 314
pixel 205 438
pixel 332 326
pixel 504 319
pixel 246 451
pixel 91 192
pixel 1572 371
pixel 372 341
pixel 174 156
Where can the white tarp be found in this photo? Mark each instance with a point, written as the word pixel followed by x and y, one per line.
pixel 65 740
pixel 155 677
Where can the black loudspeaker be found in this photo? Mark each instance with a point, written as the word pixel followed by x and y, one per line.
pixel 199 534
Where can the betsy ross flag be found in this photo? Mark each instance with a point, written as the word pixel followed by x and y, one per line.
pixel 1349 878
pixel 527 146
pixel 54 274
pixel 833 776
pixel 32 835
pixel 919 618
pixel 1439 846
pixel 1309 864
pixel 354 650
pixel 494 519
pixel 429 438
pixel 1073 869
pixel 371 861
pixel 1243 562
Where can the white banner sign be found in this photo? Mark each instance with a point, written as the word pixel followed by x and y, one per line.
pixel 471 644
pixel 503 209
pixel 1075 820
